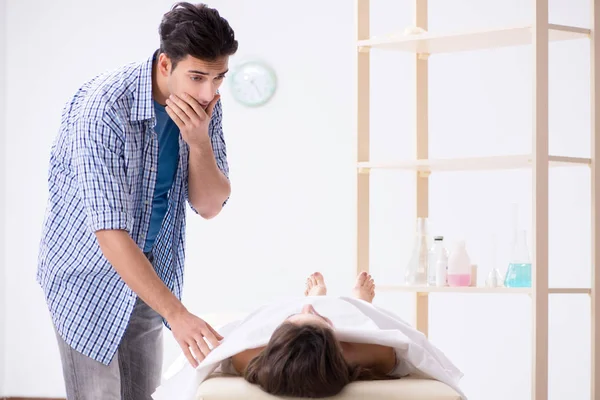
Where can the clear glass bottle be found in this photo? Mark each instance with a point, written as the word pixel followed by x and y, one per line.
pixel 441 269
pixel 416 270
pixel 519 267
pixel 435 254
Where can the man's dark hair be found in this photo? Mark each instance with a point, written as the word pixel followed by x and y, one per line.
pixel 304 361
pixel 195 30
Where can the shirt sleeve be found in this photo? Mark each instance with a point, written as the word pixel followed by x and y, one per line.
pixel 215 130
pixel 219 148
pixel 102 182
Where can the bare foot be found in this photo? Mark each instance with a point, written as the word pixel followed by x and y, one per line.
pixel 315 285
pixel 364 288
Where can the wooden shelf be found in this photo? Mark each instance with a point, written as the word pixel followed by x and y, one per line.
pixel 479 289
pixel 472 163
pixel 537 36
pixel 448 289
pixel 430 43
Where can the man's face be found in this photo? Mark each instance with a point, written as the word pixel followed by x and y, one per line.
pixel 200 79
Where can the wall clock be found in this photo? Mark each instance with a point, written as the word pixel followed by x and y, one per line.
pixel 253 83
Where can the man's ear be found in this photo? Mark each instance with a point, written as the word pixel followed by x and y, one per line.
pixel 164 64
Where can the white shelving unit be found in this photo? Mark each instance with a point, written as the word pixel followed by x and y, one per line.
pixel 498 290
pixel 472 163
pixel 423 45
pixel 428 43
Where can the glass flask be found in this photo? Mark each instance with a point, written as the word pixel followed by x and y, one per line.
pixel 519 267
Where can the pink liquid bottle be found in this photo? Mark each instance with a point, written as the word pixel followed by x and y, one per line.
pixel 459 266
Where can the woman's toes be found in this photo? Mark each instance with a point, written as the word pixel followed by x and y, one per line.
pixel 308 287
pixel 361 279
pixel 319 278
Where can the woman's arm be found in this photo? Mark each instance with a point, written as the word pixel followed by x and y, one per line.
pixel 381 359
pixel 240 360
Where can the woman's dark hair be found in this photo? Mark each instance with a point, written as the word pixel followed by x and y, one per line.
pixel 195 30
pixel 303 361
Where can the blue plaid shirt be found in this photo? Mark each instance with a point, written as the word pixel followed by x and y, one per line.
pixel 103 168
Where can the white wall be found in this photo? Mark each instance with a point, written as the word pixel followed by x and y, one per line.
pixel 3 325
pixel 292 209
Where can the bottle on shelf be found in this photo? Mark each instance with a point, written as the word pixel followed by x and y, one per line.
pixel 459 266
pixel 435 254
pixel 519 267
pixel 416 270
pixel 441 269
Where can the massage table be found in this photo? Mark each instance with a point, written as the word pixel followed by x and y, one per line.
pixel 228 387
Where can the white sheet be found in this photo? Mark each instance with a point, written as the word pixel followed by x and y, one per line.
pixel 354 320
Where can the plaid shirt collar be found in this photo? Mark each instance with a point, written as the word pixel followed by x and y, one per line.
pixel 143 107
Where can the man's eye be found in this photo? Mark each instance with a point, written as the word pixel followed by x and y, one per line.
pixel 195 78
pixel 220 78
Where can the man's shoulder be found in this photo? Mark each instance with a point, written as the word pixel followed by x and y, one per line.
pixel 108 96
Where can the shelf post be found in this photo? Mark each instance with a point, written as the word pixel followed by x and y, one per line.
pixel 422 150
pixel 362 127
pixel 595 197
pixel 540 202
pixel 422 114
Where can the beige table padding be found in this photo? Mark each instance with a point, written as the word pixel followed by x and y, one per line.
pixel 225 387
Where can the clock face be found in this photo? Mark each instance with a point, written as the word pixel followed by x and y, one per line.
pixel 253 83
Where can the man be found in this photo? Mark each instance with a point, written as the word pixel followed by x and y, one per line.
pixel 134 146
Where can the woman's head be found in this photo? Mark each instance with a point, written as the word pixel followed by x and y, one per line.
pixel 301 360
pixel 309 315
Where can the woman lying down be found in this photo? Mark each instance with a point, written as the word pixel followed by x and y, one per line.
pixel 314 345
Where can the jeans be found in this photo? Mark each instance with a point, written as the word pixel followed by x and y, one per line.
pixel 135 371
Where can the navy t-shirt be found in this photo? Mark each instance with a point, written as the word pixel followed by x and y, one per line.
pixel 168 159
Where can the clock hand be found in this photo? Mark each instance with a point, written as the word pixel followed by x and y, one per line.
pixel 255 87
